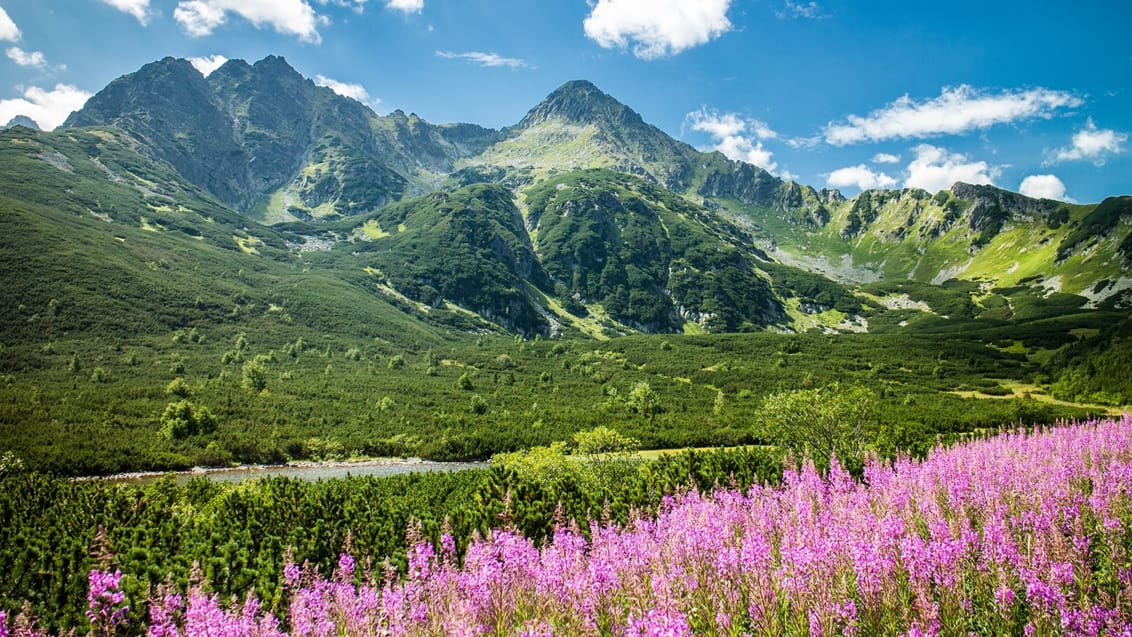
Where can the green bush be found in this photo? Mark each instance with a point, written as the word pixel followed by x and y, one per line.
pixel 181 420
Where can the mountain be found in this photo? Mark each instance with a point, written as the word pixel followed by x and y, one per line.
pixel 21 120
pixel 579 219
pixel 272 144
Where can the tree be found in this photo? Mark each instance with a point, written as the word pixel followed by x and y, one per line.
pixel 464 382
pixel 603 440
pixel 821 422
pixel 643 400
pixel 181 420
pixel 255 375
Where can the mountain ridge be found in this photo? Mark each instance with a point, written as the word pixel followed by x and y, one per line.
pixel 278 149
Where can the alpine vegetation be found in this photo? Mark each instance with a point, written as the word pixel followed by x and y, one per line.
pixel 1024 533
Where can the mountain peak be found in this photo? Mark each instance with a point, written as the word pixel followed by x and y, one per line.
pixel 276 63
pixel 173 82
pixel 22 120
pixel 581 102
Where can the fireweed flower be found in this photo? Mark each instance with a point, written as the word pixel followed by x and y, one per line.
pixel 106 609
pixel 1025 532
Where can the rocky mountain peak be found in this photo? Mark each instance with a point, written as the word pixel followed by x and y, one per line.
pixel 580 102
pixel 22 120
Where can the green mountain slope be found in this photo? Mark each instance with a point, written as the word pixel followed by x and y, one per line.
pixel 98 238
pixel 384 316
pixel 597 221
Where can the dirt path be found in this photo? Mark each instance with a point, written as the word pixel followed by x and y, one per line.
pixel 1021 390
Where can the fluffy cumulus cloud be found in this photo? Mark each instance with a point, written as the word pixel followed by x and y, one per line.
pixel 859 176
pixel 137 8
pixel 936 169
pixel 47 107
pixel 955 111
pixel 345 89
pixel 739 138
pixel 9 32
pixel 1093 144
pixel 32 59
pixel 405 6
pixel 886 158
pixel 485 59
pixel 209 63
pixel 1043 187
pixel 656 28
pixel 292 17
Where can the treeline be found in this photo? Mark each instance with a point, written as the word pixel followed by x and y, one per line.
pixel 238 536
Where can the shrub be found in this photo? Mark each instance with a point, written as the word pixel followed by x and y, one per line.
pixel 464 382
pixel 178 387
pixel 254 375
pixel 181 420
pixel 603 440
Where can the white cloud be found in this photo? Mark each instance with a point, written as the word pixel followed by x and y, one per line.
pixel 137 8
pixel 1043 187
pixel 739 138
pixel 656 28
pixel 955 111
pixel 742 149
pixel 886 158
pixel 1093 143
pixel 405 6
pixel 209 63
pixel 859 176
pixel 811 10
pixel 47 108
pixel 21 57
pixel 352 91
pixel 485 59
pixel 358 6
pixel 935 169
pixel 728 124
pixel 292 17
pixel 9 32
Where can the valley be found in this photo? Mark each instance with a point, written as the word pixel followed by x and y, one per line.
pixel 246 268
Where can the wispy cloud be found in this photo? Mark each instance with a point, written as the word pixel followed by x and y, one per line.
pixel 485 59
pixel 737 137
pixel 32 59
pixel 656 28
pixel 1043 187
pixel 9 32
pixel 1092 143
pixel 936 169
pixel 955 111
pixel 137 8
pixel 200 18
pixel 807 10
pixel 346 89
pixel 357 6
pixel 886 158
pixel 48 108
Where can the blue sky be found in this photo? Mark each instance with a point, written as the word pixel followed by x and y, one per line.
pixel 1030 96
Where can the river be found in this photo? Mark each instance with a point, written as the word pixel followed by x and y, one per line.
pixel 303 471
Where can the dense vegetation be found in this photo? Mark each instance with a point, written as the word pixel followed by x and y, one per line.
pixel 1024 533
pixel 283 393
pixel 240 536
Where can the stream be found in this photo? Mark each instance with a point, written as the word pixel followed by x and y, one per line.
pixel 304 471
